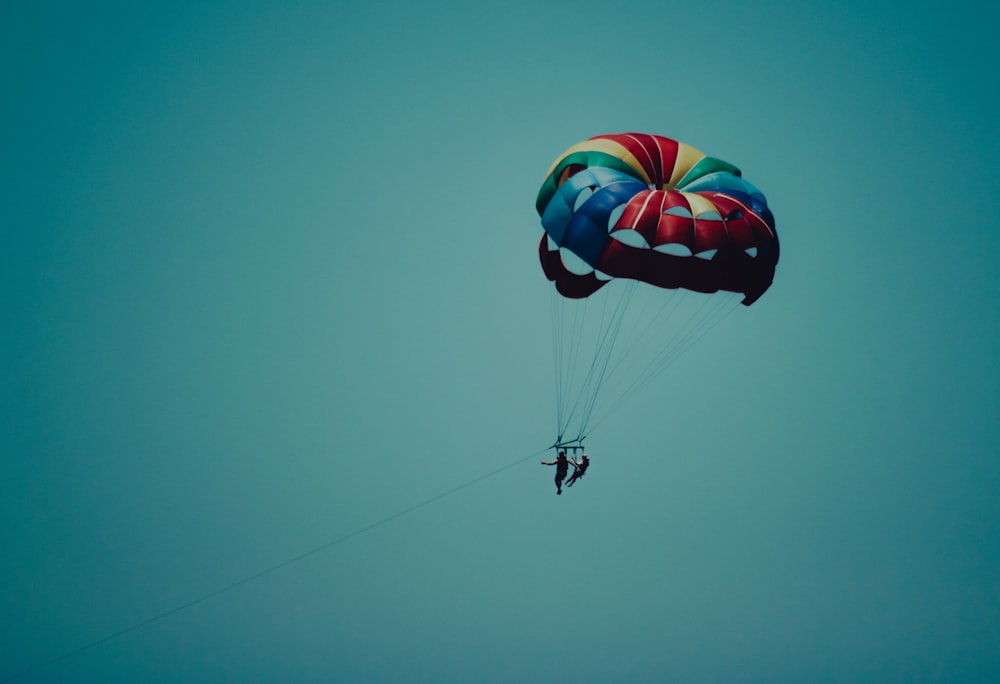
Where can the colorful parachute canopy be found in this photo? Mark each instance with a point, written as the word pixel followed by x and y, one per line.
pixel 652 209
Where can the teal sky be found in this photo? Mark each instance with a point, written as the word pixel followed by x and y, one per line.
pixel 269 276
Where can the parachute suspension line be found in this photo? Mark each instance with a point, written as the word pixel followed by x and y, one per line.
pixel 662 316
pixel 570 359
pixel 675 347
pixel 597 373
pixel 658 320
pixel 557 314
pixel 664 328
pixel 576 343
pixel 614 332
pixel 708 316
pixel 699 325
pixel 565 352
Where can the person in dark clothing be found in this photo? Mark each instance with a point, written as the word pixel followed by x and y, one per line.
pixel 579 468
pixel 562 467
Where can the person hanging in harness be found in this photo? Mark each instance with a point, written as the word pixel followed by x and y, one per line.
pixel 562 467
pixel 579 468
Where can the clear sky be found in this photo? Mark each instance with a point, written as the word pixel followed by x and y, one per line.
pixel 269 276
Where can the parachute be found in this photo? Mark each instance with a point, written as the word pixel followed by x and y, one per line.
pixel 642 218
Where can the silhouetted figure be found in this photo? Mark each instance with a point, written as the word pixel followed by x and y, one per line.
pixel 562 467
pixel 579 468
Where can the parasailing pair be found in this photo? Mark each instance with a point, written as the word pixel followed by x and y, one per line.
pixel 649 244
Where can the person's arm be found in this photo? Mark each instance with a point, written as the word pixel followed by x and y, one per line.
pixel 548 462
